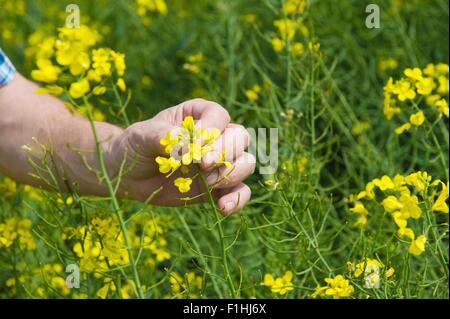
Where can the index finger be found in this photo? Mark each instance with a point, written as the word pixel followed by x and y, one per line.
pixel 207 114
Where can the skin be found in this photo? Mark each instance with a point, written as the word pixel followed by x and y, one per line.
pixel 30 119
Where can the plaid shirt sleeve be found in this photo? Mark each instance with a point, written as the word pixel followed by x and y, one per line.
pixel 7 70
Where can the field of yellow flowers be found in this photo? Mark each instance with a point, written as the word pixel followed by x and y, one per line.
pixel 358 207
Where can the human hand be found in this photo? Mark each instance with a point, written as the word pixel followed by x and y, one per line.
pixel 140 145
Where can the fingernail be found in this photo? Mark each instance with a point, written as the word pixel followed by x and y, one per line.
pixel 229 207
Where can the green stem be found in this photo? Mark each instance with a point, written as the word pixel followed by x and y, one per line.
pixel 114 201
pixel 444 263
pixel 121 106
pixel 221 236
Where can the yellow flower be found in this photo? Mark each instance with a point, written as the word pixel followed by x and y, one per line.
pixel 79 89
pixel 167 165
pixel 430 70
pixel 400 219
pixel 360 127
pixel 119 63
pixel 14 230
pixel 302 163
pixel 432 99
pixel 297 49
pixel 443 85
pixel 389 108
pixel 391 204
pixel 99 90
pixel 414 74
pixel 108 287
pixel 51 89
pixel 281 285
pixel 386 64
pixel 195 153
pixel 410 206
pixel 183 184
pixel 46 72
pixel 253 93
pixel 210 135
pixel 384 183
pixel 80 64
pixel 269 182
pixel 419 180
pixel 359 209
pixel 406 232
pixel 188 124
pixel 121 84
pixel 191 68
pixel 417 119
pixel 442 68
pixel 417 246
pixel 278 44
pixel 169 142
pixel 314 46
pixel 368 192
pixel 390 272
pixel 367 266
pixel 442 107
pixel 425 86
pixel 440 205
pixel 403 128
pixel 286 28
pixel 404 90
pixel 294 7
pixel 319 291
pixel 338 287
pixel 221 161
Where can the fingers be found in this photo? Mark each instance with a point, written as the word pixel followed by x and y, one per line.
pixel 225 177
pixel 234 140
pixel 207 114
pixel 144 137
pixel 234 199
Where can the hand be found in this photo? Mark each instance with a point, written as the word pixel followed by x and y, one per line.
pixel 140 145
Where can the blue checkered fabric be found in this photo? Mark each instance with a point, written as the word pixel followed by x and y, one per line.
pixel 7 70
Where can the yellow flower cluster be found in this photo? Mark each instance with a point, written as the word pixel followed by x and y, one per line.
pixel 70 57
pixel 292 7
pixel 281 285
pixel 100 245
pixel 387 64
pixel 194 63
pixel 186 148
pixel 9 188
pixel 144 7
pixel 337 287
pixel 153 237
pixel 253 93
pixel 371 269
pixel 14 230
pixel 429 84
pixel 191 284
pixel 52 274
pixel 400 198
pixel 287 29
pixel 10 11
pixel 126 291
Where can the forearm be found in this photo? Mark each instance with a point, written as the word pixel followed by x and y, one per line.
pixel 27 118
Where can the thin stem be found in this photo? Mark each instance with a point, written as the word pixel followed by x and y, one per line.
pixel 121 106
pixel 114 201
pixel 221 236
